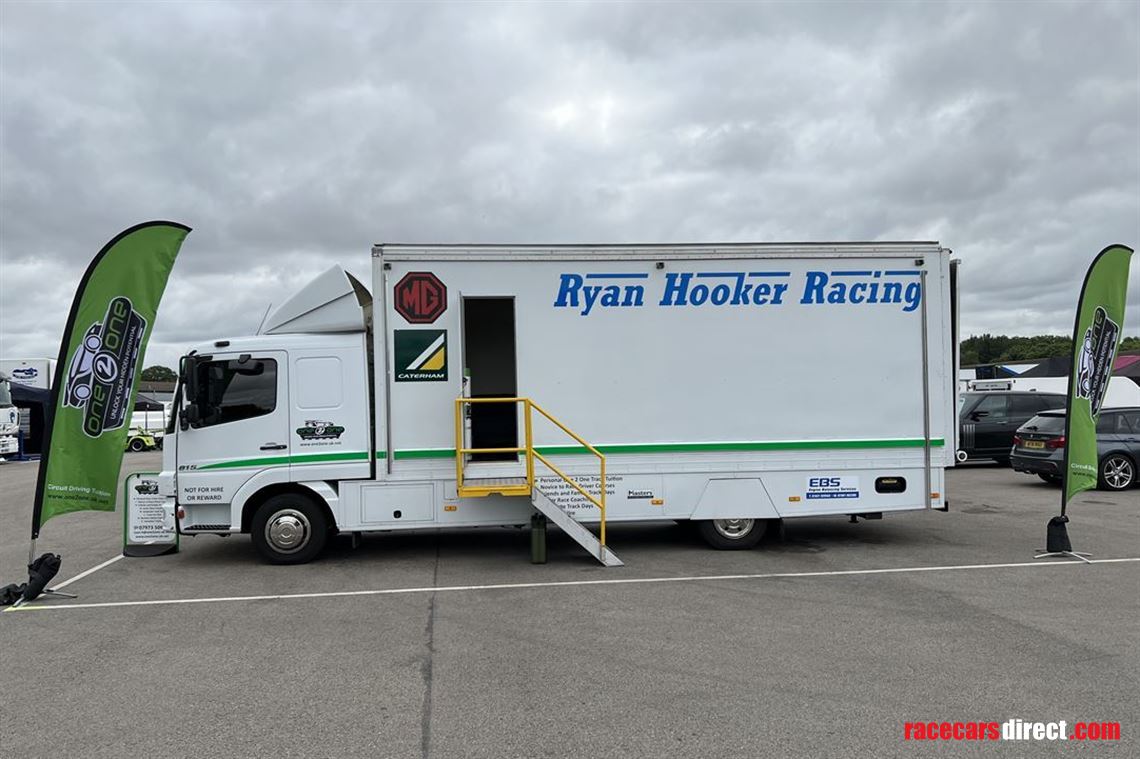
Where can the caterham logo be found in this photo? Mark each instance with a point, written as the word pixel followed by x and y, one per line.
pixel 421 355
pixel 101 374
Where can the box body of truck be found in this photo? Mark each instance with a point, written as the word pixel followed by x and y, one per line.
pixel 725 384
pixel 32 372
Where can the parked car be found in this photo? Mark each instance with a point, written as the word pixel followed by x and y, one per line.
pixel 988 420
pixel 141 440
pixel 1039 447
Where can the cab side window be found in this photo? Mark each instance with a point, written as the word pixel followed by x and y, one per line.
pixel 229 391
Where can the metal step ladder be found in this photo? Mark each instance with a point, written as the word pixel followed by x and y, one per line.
pixel 574 529
pixel 527 485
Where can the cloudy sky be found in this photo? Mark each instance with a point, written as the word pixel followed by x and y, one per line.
pixel 292 136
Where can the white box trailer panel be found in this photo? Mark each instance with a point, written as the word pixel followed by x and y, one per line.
pixel 33 372
pixel 758 352
pixel 675 359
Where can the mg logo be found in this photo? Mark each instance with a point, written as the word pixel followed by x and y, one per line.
pixel 420 297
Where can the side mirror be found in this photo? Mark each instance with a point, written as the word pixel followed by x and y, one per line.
pixel 189 417
pixel 189 377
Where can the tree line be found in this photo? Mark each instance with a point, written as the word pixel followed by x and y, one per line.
pixel 996 349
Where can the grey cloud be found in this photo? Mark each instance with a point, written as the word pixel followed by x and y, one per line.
pixel 292 136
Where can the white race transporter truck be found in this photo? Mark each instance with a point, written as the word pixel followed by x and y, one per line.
pixel 731 385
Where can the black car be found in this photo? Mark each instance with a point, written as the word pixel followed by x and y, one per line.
pixel 1039 447
pixel 987 421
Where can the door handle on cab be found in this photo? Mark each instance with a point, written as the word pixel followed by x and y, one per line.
pixel 273 447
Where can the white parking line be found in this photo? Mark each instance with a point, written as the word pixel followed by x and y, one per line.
pixel 49 606
pixel 92 570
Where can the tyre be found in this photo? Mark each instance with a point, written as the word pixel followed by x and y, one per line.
pixel 1117 472
pixel 732 534
pixel 289 529
pixel 137 446
pixel 1051 479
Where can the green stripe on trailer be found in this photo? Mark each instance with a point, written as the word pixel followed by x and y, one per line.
pixel 425 453
pixel 300 459
pixel 786 445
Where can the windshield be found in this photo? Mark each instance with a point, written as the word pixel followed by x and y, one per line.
pixel 5 393
pixel 1049 424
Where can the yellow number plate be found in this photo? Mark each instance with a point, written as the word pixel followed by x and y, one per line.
pixel 1034 443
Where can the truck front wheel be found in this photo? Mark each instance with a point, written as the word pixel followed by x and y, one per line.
pixel 289 529
pixel 731 534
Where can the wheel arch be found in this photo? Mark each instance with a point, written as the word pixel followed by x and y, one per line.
pixel 1119 452
pixel 319 492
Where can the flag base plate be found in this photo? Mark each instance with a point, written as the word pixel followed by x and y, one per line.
pixel 1042 554
pixel 46 592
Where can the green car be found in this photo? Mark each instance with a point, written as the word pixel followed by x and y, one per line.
pixel 141 440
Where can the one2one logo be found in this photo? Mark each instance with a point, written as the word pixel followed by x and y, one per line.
pixel 315 429
pixel 147 487
pixel 1094 364
pixel 101 373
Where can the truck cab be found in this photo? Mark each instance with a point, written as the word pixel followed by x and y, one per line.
pixel 267 418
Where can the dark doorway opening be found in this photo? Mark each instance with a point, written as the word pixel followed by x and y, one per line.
pixel 489 360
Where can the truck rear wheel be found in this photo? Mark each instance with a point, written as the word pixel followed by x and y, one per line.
pixel 731 534
pixel 289 529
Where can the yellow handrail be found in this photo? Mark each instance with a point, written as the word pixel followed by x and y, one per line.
pixel 531 453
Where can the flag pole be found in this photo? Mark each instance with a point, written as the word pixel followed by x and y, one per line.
pixel 1057 541
pixel 1089 353
pixel 53 400
pixel 117 297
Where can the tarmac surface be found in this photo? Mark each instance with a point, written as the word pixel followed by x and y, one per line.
pixel 808 649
